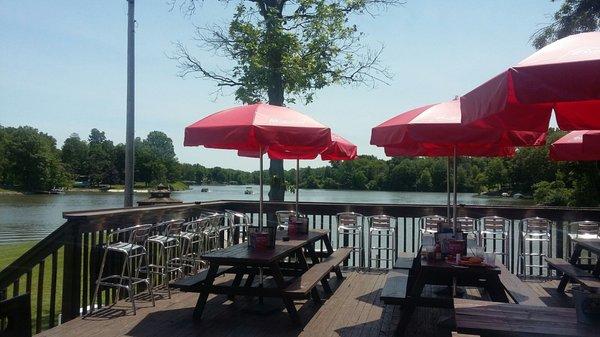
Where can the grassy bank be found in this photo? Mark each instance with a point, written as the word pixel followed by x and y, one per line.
pixel 9 253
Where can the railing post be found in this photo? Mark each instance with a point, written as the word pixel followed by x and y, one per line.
pixel 559 224
pixel 71 295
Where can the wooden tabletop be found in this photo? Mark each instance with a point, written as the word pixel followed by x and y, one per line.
pixel 242 254
pixel 443 265
pixel 480 317
pixel 592 245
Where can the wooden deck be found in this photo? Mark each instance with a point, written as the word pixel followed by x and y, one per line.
pixel 353 310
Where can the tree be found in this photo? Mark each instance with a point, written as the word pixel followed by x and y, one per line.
pixel 283 50
pixel 101 165
pixel 33 162
pixel 424 183
pixel 574 16
pixel 74 154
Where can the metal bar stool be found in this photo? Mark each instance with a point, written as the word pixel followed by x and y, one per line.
pixel 211 232
pixel 468 225
pixel 168 260
pixel 380 226
pixel 190 241
pixel 135 260
pixel 283 218
pixel 238 223
pixel 429 224
pixel 350 224
pixel 534 230
pixel 583 230
pixel 495 228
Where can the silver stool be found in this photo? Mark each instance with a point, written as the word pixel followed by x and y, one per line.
pixel 496 228
pixel 350 224
pixel 468 226
pixel 381 226
pixel 582 230
pixel 283 218
pixel 168 259
pixel 211 232
pixel 429 224
pixel 135 260
pixel 534 230
pixel 191 244
pixel 238 224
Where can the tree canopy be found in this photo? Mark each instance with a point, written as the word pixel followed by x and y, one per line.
pixel 574 16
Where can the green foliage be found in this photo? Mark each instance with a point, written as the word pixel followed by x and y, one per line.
pixel 574 16
pixel 285 49
pixel 552 193
pixel 31 160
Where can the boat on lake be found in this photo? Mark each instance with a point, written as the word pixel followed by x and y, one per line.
pixel 248 190
pixel 204 189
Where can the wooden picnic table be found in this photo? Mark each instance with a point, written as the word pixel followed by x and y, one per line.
pixel 445 273
pixel 492 318
pixel 590 281
pixel 244 260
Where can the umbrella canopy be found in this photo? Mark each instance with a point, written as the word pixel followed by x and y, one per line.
pixel 577 146
pixel 436 130
pixel 339 148
pixel 254 128
pixel 258 126
pixel 433 150
pixel 440 124
pixel 564 76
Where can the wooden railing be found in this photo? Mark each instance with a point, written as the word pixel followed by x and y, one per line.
pixel 58 272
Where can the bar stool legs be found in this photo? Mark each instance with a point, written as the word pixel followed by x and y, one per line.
pixel 135 260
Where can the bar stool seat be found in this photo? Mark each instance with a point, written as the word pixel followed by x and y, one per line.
pixel 534 229
pixel 350 225
pixel 381 226
pixel 130 243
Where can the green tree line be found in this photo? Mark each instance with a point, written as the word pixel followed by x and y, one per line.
pixel 30 160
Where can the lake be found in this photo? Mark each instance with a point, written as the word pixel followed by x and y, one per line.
pixel 32 217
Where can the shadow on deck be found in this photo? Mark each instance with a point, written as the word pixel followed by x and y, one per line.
pixel 354 309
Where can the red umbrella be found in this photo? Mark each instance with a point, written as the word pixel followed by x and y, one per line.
pixel 433 150
pixel 564 75
pixel 436 130
pixel 441 124
pixel 576 146
pixel 339 149
pixel 256 128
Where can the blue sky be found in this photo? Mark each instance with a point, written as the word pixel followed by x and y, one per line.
pixel 63 66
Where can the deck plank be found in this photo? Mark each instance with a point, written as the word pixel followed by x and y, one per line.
pixel 354 309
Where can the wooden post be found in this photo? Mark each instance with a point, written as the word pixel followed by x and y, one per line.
pixel 71 296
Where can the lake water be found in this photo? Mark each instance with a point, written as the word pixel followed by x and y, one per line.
pixel 32 217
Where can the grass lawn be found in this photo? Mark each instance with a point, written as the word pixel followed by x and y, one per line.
pixel 9 253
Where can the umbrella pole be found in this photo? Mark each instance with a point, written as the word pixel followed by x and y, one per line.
pixel 260 202
pixel 454 183
pixel 448 189
pixel 297 182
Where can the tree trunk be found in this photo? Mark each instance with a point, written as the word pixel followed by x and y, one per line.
pixel 275 93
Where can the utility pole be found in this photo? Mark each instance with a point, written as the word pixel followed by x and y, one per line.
pixel 130 128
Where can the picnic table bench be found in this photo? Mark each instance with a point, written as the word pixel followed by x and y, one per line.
pixel 516 289
pixel 242 260
pixel 570 270
pixel 493 318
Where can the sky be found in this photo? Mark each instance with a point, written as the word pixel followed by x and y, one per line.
pixel 63 66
